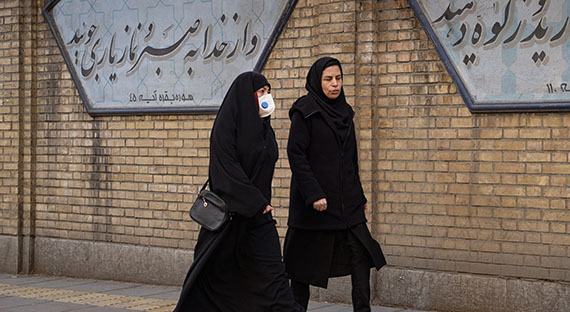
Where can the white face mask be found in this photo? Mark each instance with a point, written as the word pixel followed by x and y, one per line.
pixel 266 105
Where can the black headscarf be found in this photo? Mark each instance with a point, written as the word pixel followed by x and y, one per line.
pixel 241 146
pixel 338 111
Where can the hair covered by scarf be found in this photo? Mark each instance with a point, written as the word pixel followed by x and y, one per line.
pixel 336 110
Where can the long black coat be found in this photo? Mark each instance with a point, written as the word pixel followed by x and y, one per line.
pixel 323 168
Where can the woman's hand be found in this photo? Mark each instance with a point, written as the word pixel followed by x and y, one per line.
pixel 365 207
pixel 320 205
pixel 267 209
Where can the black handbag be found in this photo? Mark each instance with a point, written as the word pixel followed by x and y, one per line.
pixel 209 210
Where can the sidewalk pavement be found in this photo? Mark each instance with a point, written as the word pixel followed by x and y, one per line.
pixel 32 293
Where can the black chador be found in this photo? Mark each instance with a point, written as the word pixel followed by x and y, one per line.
pixel 240 268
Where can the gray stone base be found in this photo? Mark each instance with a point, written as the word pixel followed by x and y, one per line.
pixel 8 254
pixel 423 290
pixel 111 261
pixel 443 291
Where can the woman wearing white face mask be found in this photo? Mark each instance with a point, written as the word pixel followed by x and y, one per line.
pixel 240 268
pixel 265 103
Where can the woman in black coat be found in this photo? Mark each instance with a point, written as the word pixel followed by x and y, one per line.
pixel 327 235
pixel 240 268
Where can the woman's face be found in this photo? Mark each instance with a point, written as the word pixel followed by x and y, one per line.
pixel 331 82
pixel 263 91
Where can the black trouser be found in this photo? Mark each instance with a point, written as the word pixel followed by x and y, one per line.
pixel 360 279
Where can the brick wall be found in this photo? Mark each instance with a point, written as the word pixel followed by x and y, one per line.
pixel 9 113
pixel 16 129
pixel 450 191
pixel 462 192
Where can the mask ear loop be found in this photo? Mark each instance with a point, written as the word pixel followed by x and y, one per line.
pixel 256 101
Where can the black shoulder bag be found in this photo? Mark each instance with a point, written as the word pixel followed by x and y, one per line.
pixel 209 210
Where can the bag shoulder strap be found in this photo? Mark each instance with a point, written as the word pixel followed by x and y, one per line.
pixel 205 184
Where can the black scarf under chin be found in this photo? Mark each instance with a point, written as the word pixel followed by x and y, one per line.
pixel 337 111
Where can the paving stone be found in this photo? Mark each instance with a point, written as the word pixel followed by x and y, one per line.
pixel 103 309
pixel 9 302
pixel 58 294
pixel 62 283
pixel 151 291
pixel 330 308
pixel 29 305
pixel 96 286
pixel 21 280
pixel 386 309
pixel 171 295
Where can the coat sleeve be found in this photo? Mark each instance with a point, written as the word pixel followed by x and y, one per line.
pixel 357 173
pixel 297 149
pixel 230 181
